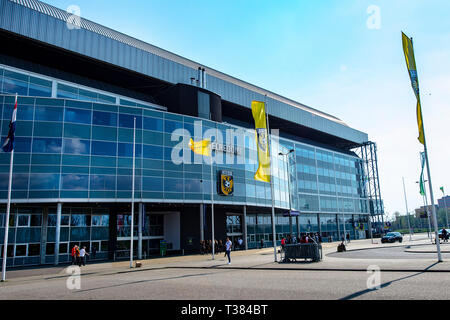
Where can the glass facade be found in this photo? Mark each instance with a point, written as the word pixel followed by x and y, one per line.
pixel 78 147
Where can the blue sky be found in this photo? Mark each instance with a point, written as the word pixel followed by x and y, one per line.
pixel 322 54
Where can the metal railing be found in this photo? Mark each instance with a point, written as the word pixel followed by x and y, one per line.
pixel 292 252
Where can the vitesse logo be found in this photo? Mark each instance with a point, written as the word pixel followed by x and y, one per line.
pixel 226 183
pixel 262 139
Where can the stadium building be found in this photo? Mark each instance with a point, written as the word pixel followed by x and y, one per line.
pixel 80 87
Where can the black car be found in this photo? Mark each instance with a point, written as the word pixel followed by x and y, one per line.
pixel 391 237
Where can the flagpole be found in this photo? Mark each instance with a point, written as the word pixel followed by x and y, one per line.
pixel 274 239
pixel 407 212
pixel 213 244
pixel 8 210
pixel 430 186
pixel 132 195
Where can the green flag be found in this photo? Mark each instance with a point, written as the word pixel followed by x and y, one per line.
pixel 442 189
pixel 422 184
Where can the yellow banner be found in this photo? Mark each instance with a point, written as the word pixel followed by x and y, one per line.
pixel 408 50
pixel 201 147
pixel 262 143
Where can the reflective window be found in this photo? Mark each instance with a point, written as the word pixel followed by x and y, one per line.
pixel 80 220
pixel 101 148
pixel 126 150
pixel 76 146
pixel 49 113
pixel 46 145
pixel 44 181
pixel 77 116
pixel 99 182
pixel 153 124
pixel 127 121
pixel 74 182
pixel 105 118
pixel 153 152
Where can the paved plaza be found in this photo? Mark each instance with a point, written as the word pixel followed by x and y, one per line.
pixel 253 275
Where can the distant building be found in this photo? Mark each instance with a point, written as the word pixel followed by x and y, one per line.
pixel 444 202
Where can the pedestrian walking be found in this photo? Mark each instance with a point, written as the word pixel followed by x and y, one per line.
pixel 75 253
pixel 240 242
pixel 94 252
pixel 262 243
pixel 83 254
pixel 348 237
pixel 228 245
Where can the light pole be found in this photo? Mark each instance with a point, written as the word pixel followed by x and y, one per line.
pixel 286 155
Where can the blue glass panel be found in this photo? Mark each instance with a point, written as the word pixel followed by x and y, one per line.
pixel 22 144
pixel 49 113
pixel 153 124
pixel 20 181
pixel 126 150
pixel 104 148
pixel 44 181
pixel 170 126
pixel 105 118
pixel 127 121
pixel 104 133
pixel 23 112
pixel 124 183
pixel 39 91
pixel 76 146
pixel 77 116
pixel 173 185
pixel 74 182
pixel 46 145
pixel 47 129
pixel 152 184
pixel 15 86
pixel 152 152
pixel 77 131
pixel 100 182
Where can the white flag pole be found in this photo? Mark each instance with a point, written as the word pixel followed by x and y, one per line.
pixel 8 210
pixel 274 238
pixel 132 195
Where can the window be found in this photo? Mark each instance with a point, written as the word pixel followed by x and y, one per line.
pixel 77 116
pixel 80 220
pixel 23 220
pixel 203 105
pixel 34 250
pixel 76 146
pixel 48 113
pixel 21 250
pixel 100 220
pixel 36 220
pixel 101 148
pixel 47 145
pixel 105 118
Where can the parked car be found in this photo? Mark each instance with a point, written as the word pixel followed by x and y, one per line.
pixel 391 237
pixel 440 233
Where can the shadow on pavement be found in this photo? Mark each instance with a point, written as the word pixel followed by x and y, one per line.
pixel 384 285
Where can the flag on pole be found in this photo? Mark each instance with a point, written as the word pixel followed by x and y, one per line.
pixel 259 114
pixel 408 50
pixel 8 145
pixel 421 182
pixel 442 189
pixel 202 147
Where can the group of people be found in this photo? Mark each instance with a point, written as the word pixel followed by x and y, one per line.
pixel 79 255
pixel 219 246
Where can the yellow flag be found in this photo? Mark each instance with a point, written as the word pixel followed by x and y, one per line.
pixel 201 147
pixel 411 65
pixel 259 114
